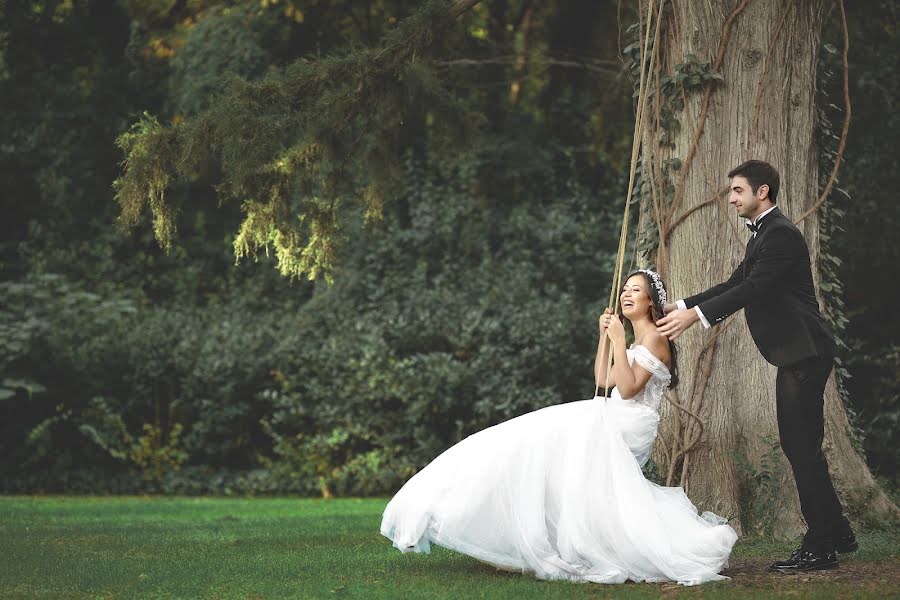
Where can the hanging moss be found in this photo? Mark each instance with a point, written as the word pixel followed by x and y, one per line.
pixel 302 145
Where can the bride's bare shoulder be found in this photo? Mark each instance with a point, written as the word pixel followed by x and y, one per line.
pixel 658 345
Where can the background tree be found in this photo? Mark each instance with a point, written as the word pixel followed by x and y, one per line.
pixel 737 81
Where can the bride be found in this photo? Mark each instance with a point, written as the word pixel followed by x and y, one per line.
pixel 559 492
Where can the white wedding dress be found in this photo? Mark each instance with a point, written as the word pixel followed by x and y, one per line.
pixel 559 492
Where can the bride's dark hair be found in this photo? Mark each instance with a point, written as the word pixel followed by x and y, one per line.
pixel 657 313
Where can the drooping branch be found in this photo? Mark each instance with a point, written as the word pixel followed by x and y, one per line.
pixel 292 148
pixel 596 66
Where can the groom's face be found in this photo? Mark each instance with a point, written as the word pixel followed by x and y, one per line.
pixel 744 200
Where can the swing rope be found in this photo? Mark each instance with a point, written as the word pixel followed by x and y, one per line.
pixel 635 152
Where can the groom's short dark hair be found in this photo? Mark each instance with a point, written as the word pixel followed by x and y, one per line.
pixel 758 173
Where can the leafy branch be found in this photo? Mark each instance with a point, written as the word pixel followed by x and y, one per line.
pixel 293 147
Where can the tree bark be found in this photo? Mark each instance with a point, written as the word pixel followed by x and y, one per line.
pixel 764 109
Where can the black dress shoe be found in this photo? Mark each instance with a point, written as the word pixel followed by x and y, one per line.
pixel 845 543
pixel 805 560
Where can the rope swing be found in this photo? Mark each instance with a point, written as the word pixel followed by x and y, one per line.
pixel 635 152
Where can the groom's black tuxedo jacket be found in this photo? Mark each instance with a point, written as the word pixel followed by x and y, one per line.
pixel 774 285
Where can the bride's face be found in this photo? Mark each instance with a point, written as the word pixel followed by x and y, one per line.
pixel 635 300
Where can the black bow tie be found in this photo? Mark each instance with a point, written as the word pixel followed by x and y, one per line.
pixel 754 227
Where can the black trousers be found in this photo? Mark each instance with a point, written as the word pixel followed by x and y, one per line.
pixel 799 397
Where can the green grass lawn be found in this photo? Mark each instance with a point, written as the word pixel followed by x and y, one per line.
pixel 119 547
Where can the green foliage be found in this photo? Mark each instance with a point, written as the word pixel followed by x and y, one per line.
pixel 687 77
pixel 868 364
pixel 759 488
pixel 290 147
pixel 119 379
pixel 876 399
pixel 64 99
pixel 458 318
pixel 831 287
pixel 147 146
pixel 436 337
pixel 226 40
pixel 860 258
pixel 131 370
pixel 333 463
pixel 651 472
pixel 465 285
pixel 153 454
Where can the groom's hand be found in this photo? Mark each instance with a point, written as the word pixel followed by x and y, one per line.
pixel 667 308
pixel 677 322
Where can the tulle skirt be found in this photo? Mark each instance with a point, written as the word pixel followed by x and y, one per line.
pixel 559 492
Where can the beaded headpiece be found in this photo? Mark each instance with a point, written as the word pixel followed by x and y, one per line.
pixel 657 285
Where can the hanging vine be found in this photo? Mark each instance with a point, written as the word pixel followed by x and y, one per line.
pixel 662 185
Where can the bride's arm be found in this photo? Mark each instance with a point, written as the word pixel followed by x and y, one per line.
pixel 634 377
pixel 630 379
pixel 601 362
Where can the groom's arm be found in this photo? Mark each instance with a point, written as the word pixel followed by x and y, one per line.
pixel 774 262
pixel 736 278
pixel 686 317
pixel 694 301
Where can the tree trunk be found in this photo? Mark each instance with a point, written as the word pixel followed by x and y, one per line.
pixel 765 109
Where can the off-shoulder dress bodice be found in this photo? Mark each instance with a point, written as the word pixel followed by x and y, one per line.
pixel 651 395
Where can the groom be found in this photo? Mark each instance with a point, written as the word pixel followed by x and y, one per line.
pixel 774 285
